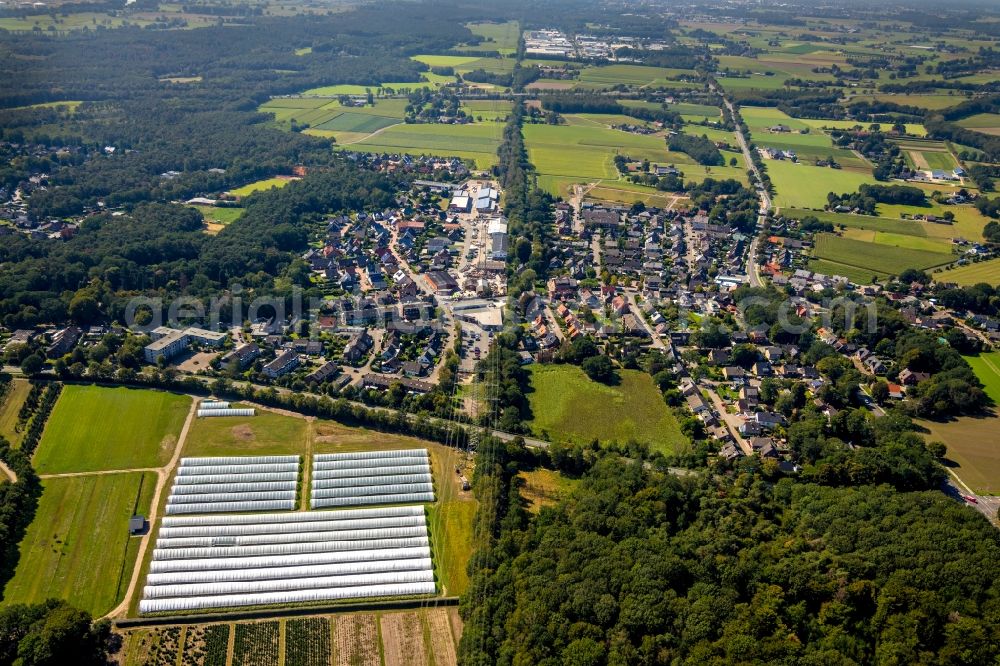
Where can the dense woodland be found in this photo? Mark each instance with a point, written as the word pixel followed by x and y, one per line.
pixel 638 567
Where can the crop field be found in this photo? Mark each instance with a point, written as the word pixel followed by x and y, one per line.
pixel 95 428
pixel 256 644
pixel 475 142
pixel 355 640
pixel 356 122
pixel 806 186
pixel 875 257
pixel 76 21
pixel 606 76
pixel 931 159
pixel 915 129
pixel 78 548
pixel 852 273
pixel 427 80
pixel 9 408
pixel 488 110
pixel 932 102
pixel 403 639
pixel 900 240
pixel 983 271
pixel 568 406
pixel 972 447
pixel 886 224
pixel 445 60
pixel 629 193
pixel 307 642
pixel 987 123
pixel 260 185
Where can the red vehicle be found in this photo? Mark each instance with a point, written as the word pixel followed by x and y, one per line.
pixel 971 499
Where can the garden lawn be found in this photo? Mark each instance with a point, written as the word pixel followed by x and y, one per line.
pixel 568 406
pixel 95 428
pixel 77 548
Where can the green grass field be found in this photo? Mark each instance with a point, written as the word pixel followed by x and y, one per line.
pixel 984 122
pixel 266 434
pixel 477 142
pixel 983 271
pixel 910 241
pixel 217 215
pixel 16 394
pixel 78 548
pixel 95 428
pixel 852 273
pixel 605 76
pixel 933 101
pixel 568 406
pixel 806 186
pixel 501 37
pixel 972 448
pixel 987 368
pixel 875 257
pixel 260 185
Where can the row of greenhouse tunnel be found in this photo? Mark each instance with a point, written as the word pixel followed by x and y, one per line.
pixel 231 537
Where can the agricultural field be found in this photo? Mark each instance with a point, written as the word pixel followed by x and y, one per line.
pixel 640 76
pixel 930 158
pixel 983 271
pixel 880 259
pixel 78 547
pixel 583 150
pixel 806 186
pixel 94 428
pixel 931 101
pixel 501 37
pixel 987 123
pixel 260 185
pixel 972 448
pixel 544 487
pixel 9 408
pixel 629 193
pixel 265 434
pixel 475 142
pixel 356 640
pixel 910 241
pixel 307 642
pixel 568 406
pixel 256 644
pixel 488 110
pixel 76 21
pixel 449 517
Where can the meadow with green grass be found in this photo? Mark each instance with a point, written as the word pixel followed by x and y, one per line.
pixel 568 406
pixel 221 215
pixel 806 186
pixel 501 37
pixel 78 547
pixel 260 185
pixel 95 428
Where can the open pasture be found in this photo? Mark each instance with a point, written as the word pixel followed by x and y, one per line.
pixel 987 123
pixel 972 448
pixel 94 428
pixel 78 547
pixel 932 102
pixel 641 76
pixel 570 407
